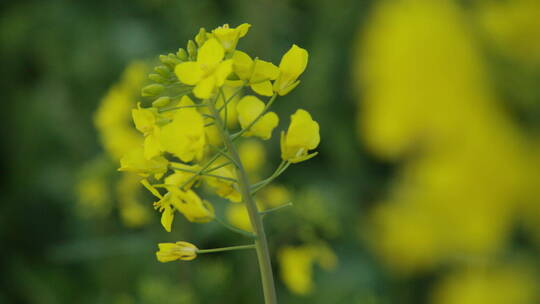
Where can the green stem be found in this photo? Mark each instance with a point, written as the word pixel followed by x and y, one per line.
pixel 241 247
pixel 261 244
pixel 275 208
pixel 234 229
pixel 203 173
pixel 280 169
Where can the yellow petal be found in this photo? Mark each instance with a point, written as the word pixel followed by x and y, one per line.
pixel 264 127
pixel 167 218
pixel 248 108
pixel 263 88
pixel 242 65
pixel 211 53
pixel 292 64
pixel 303 131
pixel 189 73
pixel 222 72
pixel 263 70
pixel 152 145
pixel 205 88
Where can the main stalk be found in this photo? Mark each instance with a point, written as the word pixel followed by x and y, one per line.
pixel 261 244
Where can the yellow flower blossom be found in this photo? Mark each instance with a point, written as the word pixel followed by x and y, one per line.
pixel 228 37
pixel 292 65
pixel 224 188
pixel 145 122
pixel 185 136
pixel 169 252
pixel 302 136
pixel 249 108
pixel 163 205
pixel 179 177
pixel 208 72
pixel 191 205
pixel 134 161
pixel 257 73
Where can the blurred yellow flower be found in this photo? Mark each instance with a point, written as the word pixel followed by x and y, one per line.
pixel 112 118
pixel 238 216
pixel 302 136
pixel 513 27
pixel 132 212
pixel 252 154
pixel 296 265
pixel 292 65
pixel 249 108
pixel 451 196
pixel 208 72
pixel 169 252
pixel 488 285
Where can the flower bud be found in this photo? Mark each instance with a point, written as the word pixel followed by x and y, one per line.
pixel 156 77
pixel 152 90
pixel 169 252
pixel 192 50
pixel 161 102
pixel 182 54
pixel 201 37
pixel 163 71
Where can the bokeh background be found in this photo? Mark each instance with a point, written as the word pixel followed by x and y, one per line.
pixel 426 188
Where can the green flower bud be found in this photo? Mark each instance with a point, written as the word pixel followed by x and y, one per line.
pixel 157 78
pixel 182 54
pixel 163 71
pixel 161 102
pixel 152 90
pixel 201 37
pixel 192 50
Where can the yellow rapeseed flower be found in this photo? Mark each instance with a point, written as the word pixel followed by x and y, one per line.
pixel 292 64
pixel 145 121
pixel 249 108
pixel 134 161
pixel 257 73
pixel 163 205
pixel 185 136
pixel 178 178
pixel 169 252
pixel 208 72
pixel 224 188
pixel 191 205
pixel 228 37
pixel 302 136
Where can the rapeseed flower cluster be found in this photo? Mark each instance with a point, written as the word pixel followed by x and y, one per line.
pixel 200 102
pixel 466 172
